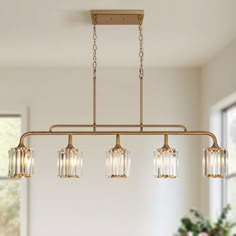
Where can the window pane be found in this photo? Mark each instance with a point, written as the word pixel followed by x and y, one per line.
pixel 10 129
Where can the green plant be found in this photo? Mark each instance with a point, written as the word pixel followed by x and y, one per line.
pixel 197 224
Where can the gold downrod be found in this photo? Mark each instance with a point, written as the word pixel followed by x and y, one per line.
pixel 70 145
pixel 70 139
pixel 94 104
pixel 117 139
pixel 141 103
pixel 166 140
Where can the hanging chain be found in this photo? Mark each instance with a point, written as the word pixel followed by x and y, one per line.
pixel 141 54
pixel 94 50
pixel 141 71
pixel 94 71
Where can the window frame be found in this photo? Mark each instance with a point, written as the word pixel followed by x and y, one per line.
pixel 24 183
pixel 216 188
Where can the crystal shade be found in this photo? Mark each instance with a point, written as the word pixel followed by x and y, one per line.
pixel 70 163
pixel 165 162
pixel 215 163
pixel 118 163
pixel 21 162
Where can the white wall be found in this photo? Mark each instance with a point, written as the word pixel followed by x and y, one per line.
pixel 95 205
pixel 218 90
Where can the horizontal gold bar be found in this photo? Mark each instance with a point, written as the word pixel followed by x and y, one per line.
pixel 118 126
pixel 117 17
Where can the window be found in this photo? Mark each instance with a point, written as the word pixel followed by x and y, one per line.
pixel 229 141
pixel 11 191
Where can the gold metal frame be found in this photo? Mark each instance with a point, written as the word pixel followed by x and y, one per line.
pixel 127 132
pixel 115 17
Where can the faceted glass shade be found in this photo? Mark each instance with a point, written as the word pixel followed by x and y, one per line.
pixel 215 162
pixel 118 163
pixel 21 162
pixel 70 163
pixel 165 163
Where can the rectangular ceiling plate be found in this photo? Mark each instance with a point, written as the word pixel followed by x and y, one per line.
pixel 117 17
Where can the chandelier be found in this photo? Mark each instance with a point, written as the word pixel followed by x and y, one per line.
pixel 70 160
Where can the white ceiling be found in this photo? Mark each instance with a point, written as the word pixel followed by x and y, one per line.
pixel 59 32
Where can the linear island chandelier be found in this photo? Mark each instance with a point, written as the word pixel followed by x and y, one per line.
pixel 21 161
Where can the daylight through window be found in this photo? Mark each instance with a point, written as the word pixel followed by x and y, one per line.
pixel 10 190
